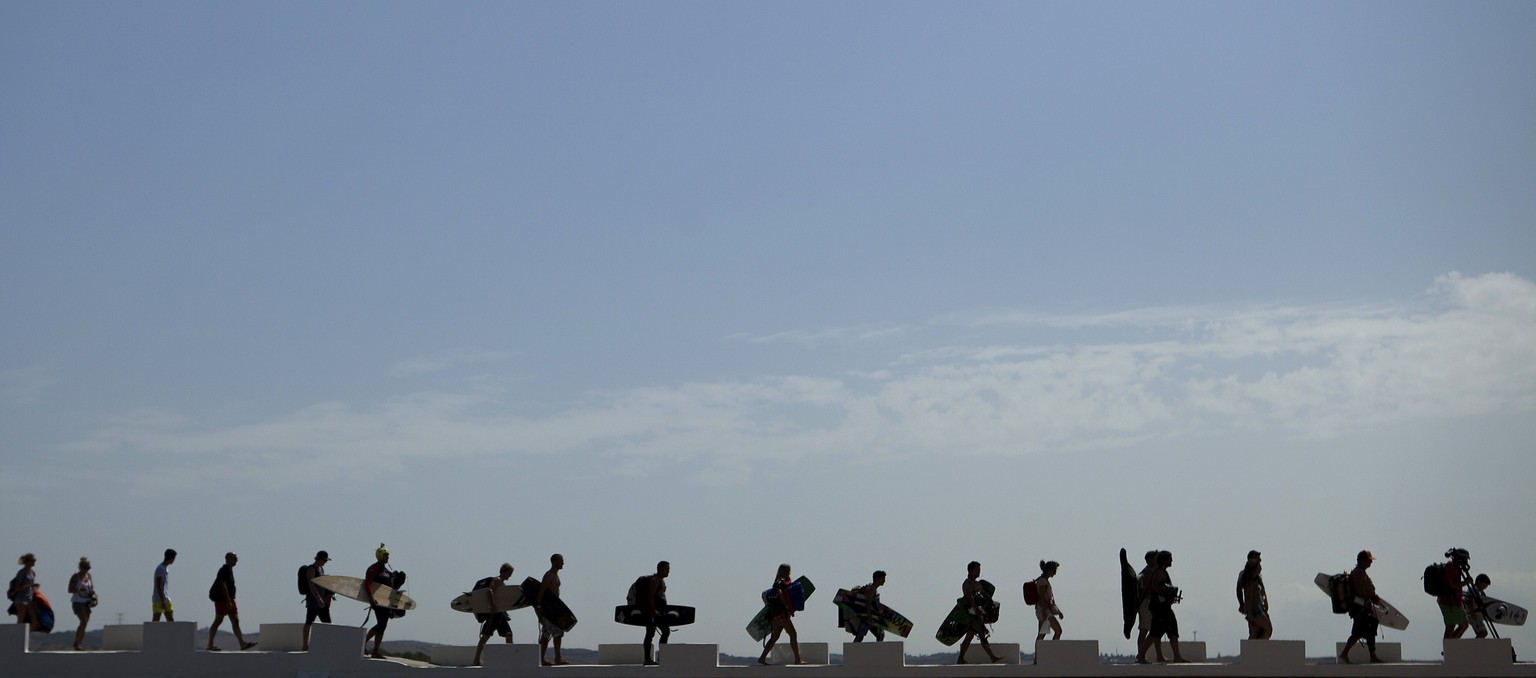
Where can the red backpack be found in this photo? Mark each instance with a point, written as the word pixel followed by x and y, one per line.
pixel 1031 593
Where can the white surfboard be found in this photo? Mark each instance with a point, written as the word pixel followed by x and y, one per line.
pixel 1386 613
pixel 508 597
pixel 352 587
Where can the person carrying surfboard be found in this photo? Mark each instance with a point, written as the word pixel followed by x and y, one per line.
pixel 781 612
pixel 1046 612
pixel 548 631
pixel 317 601
pixel 378 573
pixel 977 602
pixel 1360 609
pixel 496 621
pixel 1252 601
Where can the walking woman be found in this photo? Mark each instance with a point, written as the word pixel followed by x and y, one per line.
pixel 781 610
pixel 1046 612
pixel 82 598
pixel 22 592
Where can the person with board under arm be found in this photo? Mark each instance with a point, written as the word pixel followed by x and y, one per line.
pixel 378 573
pixel 781 611
pixel 317 601
pixel 550 586
pixel 866 600
pixel 1161 596
pixel 976 598
pixel 496 621
pixel 1360 609
pixel 655 595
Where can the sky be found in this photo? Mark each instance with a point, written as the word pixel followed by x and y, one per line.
pixel 851 286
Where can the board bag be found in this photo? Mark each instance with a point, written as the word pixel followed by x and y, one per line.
pixel 1340 592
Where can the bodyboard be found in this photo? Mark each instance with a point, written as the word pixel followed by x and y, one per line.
pixel 762 623
pixel 883 617
pixel 352 587
pixel 1130 594
pixel 960 619
pixel 671 615
pixel 1385 612
pixel 478 601
pixel 554 611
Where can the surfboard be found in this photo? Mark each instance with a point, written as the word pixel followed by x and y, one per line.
pixel 1501 612
pixel 553 610
pixel 478 601
pixel 671 615
pixel 799 590
pixel 352 587
pixel 883 617
pixel 1386 613
pixel 960 620
pixel 1130 593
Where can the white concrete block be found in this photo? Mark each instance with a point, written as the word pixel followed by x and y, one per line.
pixel 1008 651
pixel 875 655
pixel 1277 655
pixel 685 657
pixel 1066 654
pixel 281 638
pixel 169 639
pixel 518 657
pixel 621 653
pixel 1472 653
pixel 454 655
pixel 122 637
pixel 13 639
pixel 1387 652
pixel 336 643
pixel 810 653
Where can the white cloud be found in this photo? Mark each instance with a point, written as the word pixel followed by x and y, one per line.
pixel 1466 348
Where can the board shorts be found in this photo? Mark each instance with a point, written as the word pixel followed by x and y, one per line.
pixel 548 631
pixel 1454 615
pixel 161 606
pixel 81 608
pixel 1042 614
pixel 499 624
pixel 229 609
pixel 321 613
pixel 1366 623
pixel 381 616
pixel 1164 621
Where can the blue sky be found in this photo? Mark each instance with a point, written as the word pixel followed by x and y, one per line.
pixel 851 286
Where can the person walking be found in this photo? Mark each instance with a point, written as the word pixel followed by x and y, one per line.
pixel 1252 601
pixel 82 597
pixel 1046 612
pixel 1361 609
pixel 781 613
pixel 979 603
pixel 222 593
pixel 317 601
pixel 496 621
pixel 160 599
pixel 23 593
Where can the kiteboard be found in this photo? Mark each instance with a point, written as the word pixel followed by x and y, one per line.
pixel 1130 593
pixel 960 619
pixel 553 610
pixel 352 587
pixel 1386 613
pixel 668 615
pixel 882 617
pixel 1501 612
pixel 762 624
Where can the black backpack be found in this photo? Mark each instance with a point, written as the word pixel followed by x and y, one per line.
pixel 303 580
pixel 1341 591
pixel 1434 580
pixel 639 589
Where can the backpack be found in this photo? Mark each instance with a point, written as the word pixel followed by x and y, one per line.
pixel 303 580
pixel 1031 593
pixel 482 584
pixel 1341 591
pixel 638 589
pixel 1434 581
